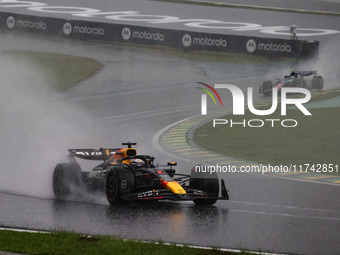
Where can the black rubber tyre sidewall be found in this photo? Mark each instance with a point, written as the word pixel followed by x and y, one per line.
pixel 208 183
pixel 66 180
pixel 112 188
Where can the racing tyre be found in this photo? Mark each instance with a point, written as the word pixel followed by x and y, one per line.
pixel 317 82
pixel 207 182
pixel 267 87
pixel 67 180
pixel 112 188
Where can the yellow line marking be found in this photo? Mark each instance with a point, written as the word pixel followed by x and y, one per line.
pixel 229 162
pixel 173 134
pixel 176 147
pixel 319 177
pixel 172 137
pixel 186 149
pixel 175 141
pixel 204 153
pixel 216 158
pixel 292 173
pixel 207 155
pixel 194 153
pixel 251 165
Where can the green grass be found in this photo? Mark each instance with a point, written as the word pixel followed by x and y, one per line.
pixel 315 140
pixel 72 243
pixel 63 71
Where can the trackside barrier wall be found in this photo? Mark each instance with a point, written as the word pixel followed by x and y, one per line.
pixel 185 40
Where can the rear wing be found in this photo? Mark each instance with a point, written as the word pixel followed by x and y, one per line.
pixel 305 73
pixel 93 154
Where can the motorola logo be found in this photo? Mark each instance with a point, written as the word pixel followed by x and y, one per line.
pixel 67 28
pixel 186 40
pixel 251 46
pixel 126 33
pixel 10 22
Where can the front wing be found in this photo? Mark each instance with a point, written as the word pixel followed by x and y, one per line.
pixel 191 194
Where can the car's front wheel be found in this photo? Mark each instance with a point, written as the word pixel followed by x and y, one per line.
pixel 207 182
pixel 112 188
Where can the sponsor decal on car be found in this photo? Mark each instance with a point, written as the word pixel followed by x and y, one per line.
pixel 149 193
pixel 123 184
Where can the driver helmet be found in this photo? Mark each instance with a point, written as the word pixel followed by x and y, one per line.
pixel 135 162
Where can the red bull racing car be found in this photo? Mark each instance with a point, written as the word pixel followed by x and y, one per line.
pixel 125 176
pixel 302 79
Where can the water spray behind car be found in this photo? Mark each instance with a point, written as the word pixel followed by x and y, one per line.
pixel 34 128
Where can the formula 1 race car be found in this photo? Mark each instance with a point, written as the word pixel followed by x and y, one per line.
pixel 302 79
pixel 125 176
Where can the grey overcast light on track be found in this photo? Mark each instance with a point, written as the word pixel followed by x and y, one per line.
pixel 136 94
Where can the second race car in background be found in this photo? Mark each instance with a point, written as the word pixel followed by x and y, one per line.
pixel 301 79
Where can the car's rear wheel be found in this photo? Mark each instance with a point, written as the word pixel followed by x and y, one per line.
pixel 317 82
pixel 112 188
pixel 207 182
pixel 67 180
pixel 267 87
